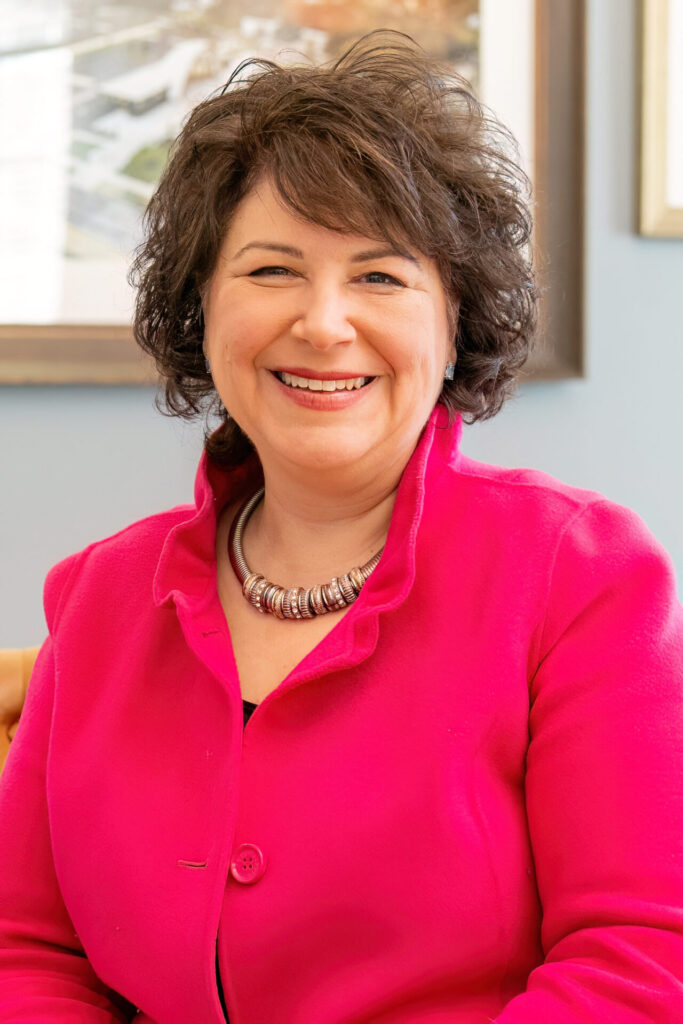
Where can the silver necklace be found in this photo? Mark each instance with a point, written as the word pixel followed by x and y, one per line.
pixel 292 602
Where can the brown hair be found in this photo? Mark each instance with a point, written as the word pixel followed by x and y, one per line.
pixel 385 142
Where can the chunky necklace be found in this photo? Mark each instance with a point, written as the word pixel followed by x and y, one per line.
pixel 292 602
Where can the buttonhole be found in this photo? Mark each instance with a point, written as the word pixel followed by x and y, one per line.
pixel 192 864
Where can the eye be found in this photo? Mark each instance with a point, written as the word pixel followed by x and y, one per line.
pixel 377 277
pixel 270 272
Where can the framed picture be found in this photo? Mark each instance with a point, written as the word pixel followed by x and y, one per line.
pixel 93 94
pixel 661 179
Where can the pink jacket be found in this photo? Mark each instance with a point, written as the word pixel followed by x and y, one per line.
pixel 464 805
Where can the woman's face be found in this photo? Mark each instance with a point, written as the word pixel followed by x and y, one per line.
pixel 297 316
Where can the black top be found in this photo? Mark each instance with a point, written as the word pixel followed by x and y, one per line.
pixel 248 708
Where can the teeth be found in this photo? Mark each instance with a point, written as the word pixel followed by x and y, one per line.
pixel 347 384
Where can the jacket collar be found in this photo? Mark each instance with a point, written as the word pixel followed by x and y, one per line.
pixel 186 571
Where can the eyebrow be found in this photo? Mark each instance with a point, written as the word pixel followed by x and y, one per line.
pixel 359 257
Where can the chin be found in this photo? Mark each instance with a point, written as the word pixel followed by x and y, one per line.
pixel 322 450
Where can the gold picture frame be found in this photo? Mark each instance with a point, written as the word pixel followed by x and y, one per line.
pixel 70 353
pixel 661 155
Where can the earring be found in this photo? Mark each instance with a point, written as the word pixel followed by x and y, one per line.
pixel 450 371
pixel 207 366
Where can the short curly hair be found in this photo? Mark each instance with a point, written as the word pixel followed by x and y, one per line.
pixel 384 141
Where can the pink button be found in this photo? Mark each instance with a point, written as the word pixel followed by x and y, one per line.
pixel 247 864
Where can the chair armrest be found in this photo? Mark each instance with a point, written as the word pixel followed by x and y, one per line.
pixel 16 666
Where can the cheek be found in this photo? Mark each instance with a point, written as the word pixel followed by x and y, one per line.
pixel 224 317
pixel 422 350
pixel 401 337
pixel 240 330
pixel 426 331
pixel 232 342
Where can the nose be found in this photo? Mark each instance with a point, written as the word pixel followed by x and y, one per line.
pixel 324 317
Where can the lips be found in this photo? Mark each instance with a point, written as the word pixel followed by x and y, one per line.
pixel 329 395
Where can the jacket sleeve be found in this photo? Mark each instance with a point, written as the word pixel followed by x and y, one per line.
pixel 604 781
pixel 44 973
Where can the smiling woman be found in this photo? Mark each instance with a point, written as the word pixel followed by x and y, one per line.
pixel 340 309
pixel 370 733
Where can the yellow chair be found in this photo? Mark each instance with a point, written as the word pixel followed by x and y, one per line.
pixel 16 666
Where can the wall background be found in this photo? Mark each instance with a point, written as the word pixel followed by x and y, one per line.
pixel 79 463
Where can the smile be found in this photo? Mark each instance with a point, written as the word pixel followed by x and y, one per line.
pixel 314 384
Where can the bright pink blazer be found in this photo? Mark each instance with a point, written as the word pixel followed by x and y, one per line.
pixel 465 805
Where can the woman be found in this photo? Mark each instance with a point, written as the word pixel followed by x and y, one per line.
pixel 459 796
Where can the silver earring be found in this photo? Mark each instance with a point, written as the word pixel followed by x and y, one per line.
pixel 450 371
pixel 207 366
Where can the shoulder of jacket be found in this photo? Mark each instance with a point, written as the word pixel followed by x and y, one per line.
pixel 527 484
pixel 144 539
pixel 538 505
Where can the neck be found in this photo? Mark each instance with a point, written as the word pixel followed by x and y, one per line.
pixel 310 527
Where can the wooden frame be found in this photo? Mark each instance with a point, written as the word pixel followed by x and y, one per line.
pixel 559 187
pixel 108 355
pixel 660 213
pixel 87 355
